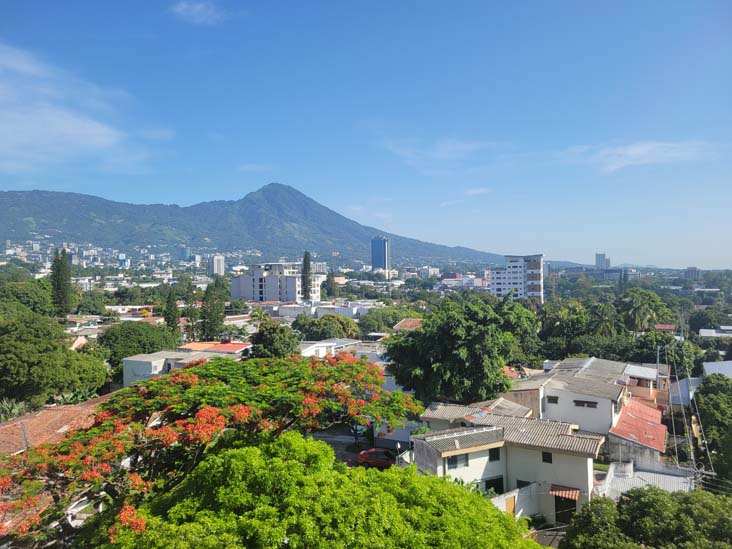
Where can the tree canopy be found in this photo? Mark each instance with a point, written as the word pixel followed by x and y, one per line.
pixel 291 492
pixel 383 319
pixel 273 340
pixel 651 517
pixel 34 294
pixel 327 327
pixel 134 338
pixel 62 290
pixel 196 410
pixel 714 400
pixel 36 363
pixel 457 355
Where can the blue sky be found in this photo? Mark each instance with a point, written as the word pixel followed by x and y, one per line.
pixel 558 127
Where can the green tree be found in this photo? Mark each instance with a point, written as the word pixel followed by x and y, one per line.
pixel 62 290
pixel 171 312
pixel 331 288
pixel 596 526
pixel 36 363
pixel 273 340
pixel 604 319
pixel 652 517
pixel 93 303
pixel 711 317
pixel 34 294
pixel 642 308
pixel 134 338
pixel 259 315
pixel 458 355
pixel 307 280
pixel 383 319
pixel 327 327
pixel 292 493
pixel 212 311
pixel 714 400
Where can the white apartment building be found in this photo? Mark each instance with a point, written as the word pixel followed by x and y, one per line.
pixel 522 274
pixel 275 282
pixel 216 265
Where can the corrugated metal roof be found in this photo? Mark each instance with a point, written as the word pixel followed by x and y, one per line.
pixel 565 492
pixel 643 372
pixel 586 385
pixel 724 368
pixel 618 485
pixel 462 438
pixel 448 412
pixel 543 433
pixel 642 425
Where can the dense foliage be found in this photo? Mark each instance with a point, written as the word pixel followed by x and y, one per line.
pixel 383 319
pixel 34 294
pixel 36 363
pixel 274 340
pixel 651 517
pixel 167 425
pixel 327 327
pixel 714 401
pixel 459 353
pixel 134 338
pixel 292 493
pixel 62 290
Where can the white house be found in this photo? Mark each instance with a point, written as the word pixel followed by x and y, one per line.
pixel 595 394
pixel 140 367
pixel 506 453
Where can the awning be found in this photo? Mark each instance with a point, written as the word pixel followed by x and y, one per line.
pixel 565 492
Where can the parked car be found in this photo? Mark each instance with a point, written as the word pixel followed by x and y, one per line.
pixel 380 458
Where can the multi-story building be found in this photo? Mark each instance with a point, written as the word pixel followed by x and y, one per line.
pixel 693 274
pixel 276 282
pixel 216 265
pixel 522 274
pixel 320 267
pixel 602 261
pixel 380 254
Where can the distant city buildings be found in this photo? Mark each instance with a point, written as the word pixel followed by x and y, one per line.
pixel 216 265
pixel 275 282
pixel 693 274
pixel 602 261
pixel 522 274
pixel 381 254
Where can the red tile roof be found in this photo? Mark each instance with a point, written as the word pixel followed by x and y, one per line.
pixel 510 372
pixel 48 425
pixel 230 347
pixel 665 327
pixel 565 492
pixel 641 424
pixel 408 324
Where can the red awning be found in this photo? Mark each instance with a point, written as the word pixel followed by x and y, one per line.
pixel 565 492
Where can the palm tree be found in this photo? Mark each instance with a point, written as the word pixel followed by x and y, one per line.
pixel 603 318
pixel 10 408
pixel 639 313
pixel 259 315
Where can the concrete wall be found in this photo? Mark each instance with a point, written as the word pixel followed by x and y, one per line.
pixel 566 470
pixel 525 501
pixel 621 449
pixel 597 420
pixel 531 398
pixel 137 370
pixel 478 469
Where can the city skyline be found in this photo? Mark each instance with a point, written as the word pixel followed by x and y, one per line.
pixel 501 128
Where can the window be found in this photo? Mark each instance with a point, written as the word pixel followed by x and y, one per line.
pixel 522 483
pixel 585 403
pixel 455 462
pixel 552 400
pixel 494 483
pixel 546 457
pixel 494 454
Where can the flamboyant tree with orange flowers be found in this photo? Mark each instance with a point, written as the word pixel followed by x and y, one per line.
pixel 149 436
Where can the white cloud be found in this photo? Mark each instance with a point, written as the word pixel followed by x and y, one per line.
pixel 614 158
pixel 49 118
pixel 254 167
pixel 447 203
pixel 199 12
pixel 477 191
pixel 441 157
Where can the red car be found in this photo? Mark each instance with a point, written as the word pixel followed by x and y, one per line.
pixel 380 458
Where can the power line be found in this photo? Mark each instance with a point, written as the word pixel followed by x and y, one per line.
pixel 683 410
pixel 696 407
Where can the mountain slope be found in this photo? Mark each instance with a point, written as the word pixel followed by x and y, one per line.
pixel 276 219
